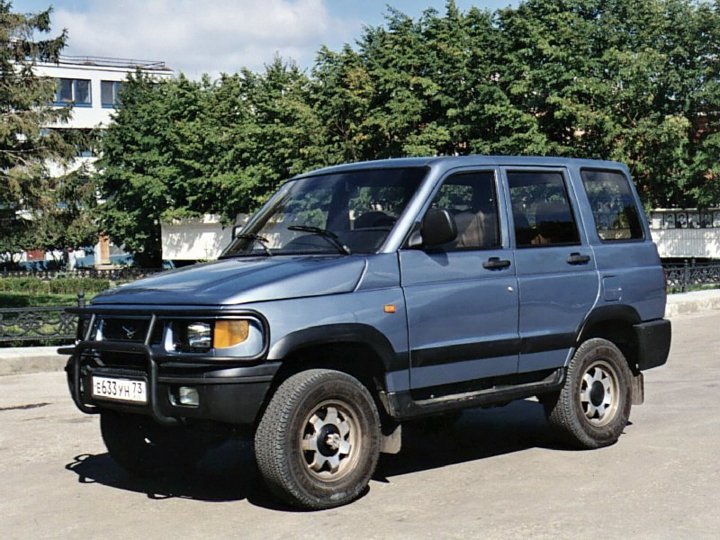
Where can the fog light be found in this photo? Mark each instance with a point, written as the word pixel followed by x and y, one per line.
pixel 188 396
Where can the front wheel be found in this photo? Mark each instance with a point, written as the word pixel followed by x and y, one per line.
pixel 318 442
pixel 593 407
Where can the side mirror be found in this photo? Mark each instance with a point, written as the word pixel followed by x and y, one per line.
pixel 438 227
pixel 237 229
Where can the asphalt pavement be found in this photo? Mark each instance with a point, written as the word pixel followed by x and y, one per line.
pixel 498 473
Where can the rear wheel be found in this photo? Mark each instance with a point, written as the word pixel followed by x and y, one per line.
pixel 143 447
pixel 593 407
pixel 318 442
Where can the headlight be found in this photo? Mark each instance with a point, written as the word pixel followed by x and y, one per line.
pixel 192 337
pixel 199 335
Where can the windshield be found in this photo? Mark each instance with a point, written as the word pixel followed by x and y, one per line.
pixel 351 212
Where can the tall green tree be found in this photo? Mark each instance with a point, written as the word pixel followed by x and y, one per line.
pixel 43 203
pixel 180 148
pixel 24 111
pixel 140 168
pixel 619 79
pixel 632 80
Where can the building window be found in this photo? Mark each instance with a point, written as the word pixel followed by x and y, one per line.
pixel 73 92
pixel 110 93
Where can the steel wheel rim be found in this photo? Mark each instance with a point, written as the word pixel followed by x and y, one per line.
pixel 330 441
pixel 599 396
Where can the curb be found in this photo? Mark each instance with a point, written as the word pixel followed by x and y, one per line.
pixel 692 302
pixel 21 360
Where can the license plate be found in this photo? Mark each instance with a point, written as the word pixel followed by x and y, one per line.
pixel 119 389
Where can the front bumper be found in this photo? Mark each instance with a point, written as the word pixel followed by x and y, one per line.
pixel 230 391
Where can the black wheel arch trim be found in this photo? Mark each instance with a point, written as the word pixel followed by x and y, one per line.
pixel 652 338
pixel 618 312
pixel 340 333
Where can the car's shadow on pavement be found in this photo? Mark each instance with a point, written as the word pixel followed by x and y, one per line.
pixel 228 473
pixel 478 434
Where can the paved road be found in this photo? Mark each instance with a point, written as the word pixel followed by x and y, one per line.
pixel 497 474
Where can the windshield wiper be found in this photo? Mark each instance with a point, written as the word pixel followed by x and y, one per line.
pixel 259 239
pixel 328 235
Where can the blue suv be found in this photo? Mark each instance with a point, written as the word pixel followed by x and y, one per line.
pixel 365 295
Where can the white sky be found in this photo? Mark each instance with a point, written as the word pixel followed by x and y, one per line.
pixel 212 36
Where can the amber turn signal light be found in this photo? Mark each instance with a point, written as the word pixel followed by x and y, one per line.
pixel 230 333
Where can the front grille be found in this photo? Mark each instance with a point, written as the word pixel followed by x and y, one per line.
pixel 125 329
pixel 115 359
pixel 124 360
pixel 131 330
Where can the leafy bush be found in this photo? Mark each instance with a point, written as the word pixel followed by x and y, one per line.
pixel 64 286
pixel 23 300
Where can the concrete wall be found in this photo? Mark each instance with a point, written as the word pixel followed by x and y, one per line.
pixel 194 239
pixel 686 233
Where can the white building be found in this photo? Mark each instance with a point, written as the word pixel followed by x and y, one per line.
pixel 91 85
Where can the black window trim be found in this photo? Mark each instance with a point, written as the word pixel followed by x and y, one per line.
pixel 632 192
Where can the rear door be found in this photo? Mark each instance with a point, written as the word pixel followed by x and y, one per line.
pixel 461 297
pixel 555 265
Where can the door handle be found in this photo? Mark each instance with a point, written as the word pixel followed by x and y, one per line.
pixel 577 258
pixel 496 263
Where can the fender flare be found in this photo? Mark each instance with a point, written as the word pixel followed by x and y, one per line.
pixel 620 312
pixel 340 333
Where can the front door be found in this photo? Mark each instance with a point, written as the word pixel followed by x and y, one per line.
pixel 461 298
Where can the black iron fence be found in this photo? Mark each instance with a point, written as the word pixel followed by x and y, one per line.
pixel 690 275
pixel 38 325
pixel 51 325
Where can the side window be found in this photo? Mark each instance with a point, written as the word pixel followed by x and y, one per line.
pixel 613 206
pixel 472 201
pixel 541 209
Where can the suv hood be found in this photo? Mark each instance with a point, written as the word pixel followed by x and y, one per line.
pixel 243 280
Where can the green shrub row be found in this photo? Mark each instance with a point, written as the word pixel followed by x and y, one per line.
pixel 24 300
pixel 31 285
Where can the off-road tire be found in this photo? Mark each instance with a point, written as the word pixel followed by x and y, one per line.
pixel 144 448
pixel 593 407
pixel 318 441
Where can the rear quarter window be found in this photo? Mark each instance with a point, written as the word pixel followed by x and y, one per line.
pixel 616 214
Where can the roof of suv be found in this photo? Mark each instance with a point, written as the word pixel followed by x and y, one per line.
pixel 447 162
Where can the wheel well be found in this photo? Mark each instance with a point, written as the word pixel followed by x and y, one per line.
pixel 354 358
pixel 621 333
